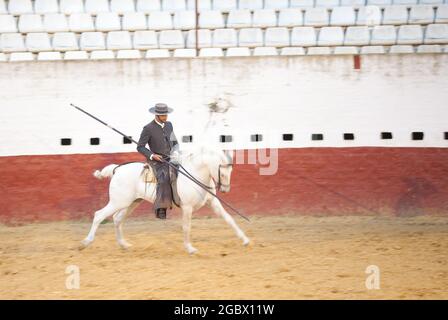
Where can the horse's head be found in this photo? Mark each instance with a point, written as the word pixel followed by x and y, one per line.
pixel 218 163
pixel 224 173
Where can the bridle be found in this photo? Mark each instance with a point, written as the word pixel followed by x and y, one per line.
pixel 219 184
pixel 229 164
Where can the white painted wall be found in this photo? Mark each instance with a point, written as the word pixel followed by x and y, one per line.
pixel 267 95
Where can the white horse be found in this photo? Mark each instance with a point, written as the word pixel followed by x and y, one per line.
pixel 127 190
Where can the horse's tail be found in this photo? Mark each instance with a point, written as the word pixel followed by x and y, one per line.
pixel 106 172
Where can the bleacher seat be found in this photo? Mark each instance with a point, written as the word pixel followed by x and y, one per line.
pixel 276 4
pixel 442 14
pixel 21 56
pixel 357 36
pixel 331 36
pixel 384 35
pixel 372 50
pixel 224 5
pixel 55 22
pixel 118 40
pixel 148 6
pixel 134 21
pixel 343 16
pixel 264 18
pixel 122 6
pixel 346 50
pixel 203 5
pixel 146 39
pixel 239 19
pixel 3 9
pixel 7 23
pixel 92 41
pixel 12 42
pixel 303 37
pixel 265 51
pixel 250 37
pixel 49 56
pixel 184 53
pixel 431 1
pixel 429 48
pixel 327 3
pixel 395 15
pixel 316 17
pixel 65 41
pixel 204 38
pixel 250 4
pixel 369 15
pixel 107 21
pixel 46 6
pixel 277 37
pixel 224 38
pixel 301 4
pixel 17 7
pixel 128 54
pixel 290 18
pixel 238 52
pixel 312 51
pixel 421 15
pixel 382 3
pixel 38 41
pixel 212 19
pixel 174 5
pixel 171 39
pixel 80 22
pixel 102 55
pixel 436 33
pixel 30 23
pixel 292 51
pixel 76 55
pixel 410 34
pixel 211 52
pixel 401 49
pixel 71 6
pixel 405 2
pixel 160 20
pixel 184 20
pixel 96 6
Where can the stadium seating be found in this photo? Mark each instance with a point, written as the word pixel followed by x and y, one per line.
pixel 48 30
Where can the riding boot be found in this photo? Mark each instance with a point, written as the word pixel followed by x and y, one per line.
pixel 161 213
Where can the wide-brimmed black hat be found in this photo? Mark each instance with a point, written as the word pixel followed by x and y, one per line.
pixel 160 109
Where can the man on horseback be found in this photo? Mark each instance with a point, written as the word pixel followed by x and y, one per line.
pixel 159 135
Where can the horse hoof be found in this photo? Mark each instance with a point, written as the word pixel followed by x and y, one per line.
pixel 84 244
pixel 246 242
pixel 125 245
pixel 192 250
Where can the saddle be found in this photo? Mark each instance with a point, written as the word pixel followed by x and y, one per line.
pixel 150 177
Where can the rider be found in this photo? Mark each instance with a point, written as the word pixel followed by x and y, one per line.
pixel 159 135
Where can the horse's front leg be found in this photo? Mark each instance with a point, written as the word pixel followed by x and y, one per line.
pixel 186 226
pixel 217 207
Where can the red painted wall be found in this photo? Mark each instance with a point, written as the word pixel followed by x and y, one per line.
pixel 309 181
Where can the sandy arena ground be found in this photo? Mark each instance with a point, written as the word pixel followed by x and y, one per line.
pixel 290 257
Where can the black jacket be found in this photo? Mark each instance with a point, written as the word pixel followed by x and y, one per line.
pixel 160 140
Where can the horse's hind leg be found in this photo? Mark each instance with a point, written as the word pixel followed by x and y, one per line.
pixel 119 218
pixel 217 207
pixel 100 215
